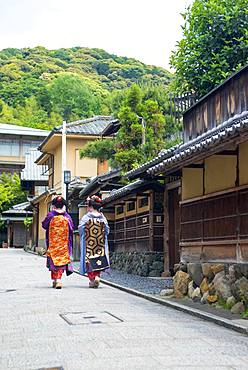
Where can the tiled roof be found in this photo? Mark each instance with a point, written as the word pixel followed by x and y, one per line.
pixel 112 128
pixel 128 189
pixel 93 126
pixel 165 153
pixel 18 209
pixel 8 129
pixel 98 180
pixel 231 128
pixel 90 126
pixel 31 171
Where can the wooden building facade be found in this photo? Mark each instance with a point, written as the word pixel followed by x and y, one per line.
pixel 138 217
pixel 18 235
pixel 212 164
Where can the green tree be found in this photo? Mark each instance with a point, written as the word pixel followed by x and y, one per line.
pixel 214 44
pixel 6 113
pixel 143 128
pixel 102 149
pixel 72 98
pixel 10 191
pixel 31 115
pixel 72 83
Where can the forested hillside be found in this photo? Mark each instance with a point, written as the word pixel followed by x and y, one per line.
pixel 40 87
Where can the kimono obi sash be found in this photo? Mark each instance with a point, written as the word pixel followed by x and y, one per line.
pixel 59 240
pixel 94 238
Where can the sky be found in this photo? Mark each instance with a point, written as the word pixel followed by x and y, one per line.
pixel 146 30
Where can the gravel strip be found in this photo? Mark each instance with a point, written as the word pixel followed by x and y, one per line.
pixel 142 284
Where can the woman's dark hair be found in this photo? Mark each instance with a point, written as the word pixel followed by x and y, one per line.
pixel 59 202
pixel 95 202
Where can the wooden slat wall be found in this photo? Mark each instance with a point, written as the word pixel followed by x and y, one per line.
pixel 142 231
pixel 215 221
pixel 225 102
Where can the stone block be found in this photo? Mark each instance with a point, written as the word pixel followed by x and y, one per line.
pixel 222 286
pixel 181 281
pixel 204 286
pixel 190 289
pixel 241 269
pixel 204 298
pixel 196 295
pixel 238 308
pixel 230 302
pixel 240 290
pixel 195 272
pixel 217 268
pixel 212 298
pixel 207 270
pixel 166 292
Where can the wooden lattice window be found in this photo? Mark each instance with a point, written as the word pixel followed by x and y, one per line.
pixel 119 210
pixel 130 206
pixel 143 202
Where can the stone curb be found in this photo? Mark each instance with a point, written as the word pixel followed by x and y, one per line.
pixel 177 306
pixel 180 307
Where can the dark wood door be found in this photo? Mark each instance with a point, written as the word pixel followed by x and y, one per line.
pixel 174 227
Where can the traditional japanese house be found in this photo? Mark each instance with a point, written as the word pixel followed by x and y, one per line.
pixel 169 203
pixel 18 234
pixel 206 179
pixel 78 134
pixel 15 141
pixel 137 227
pixel 213 164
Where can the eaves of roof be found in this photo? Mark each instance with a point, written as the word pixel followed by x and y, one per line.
pixel 12 218
pixel 39 197
pixel 18 208
pixel 190 151
pixel 112 128
pixel 93 126
pixel 9 129
pixel 142 170
pixel 17 212
pixel 98 181
pixel 129 189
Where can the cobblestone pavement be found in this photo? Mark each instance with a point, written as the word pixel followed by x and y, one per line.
pixel 79 328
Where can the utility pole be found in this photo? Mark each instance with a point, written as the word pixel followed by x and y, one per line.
pixel 63 159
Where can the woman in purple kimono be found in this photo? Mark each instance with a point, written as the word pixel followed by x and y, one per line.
pixel 93 230
pixel 59 228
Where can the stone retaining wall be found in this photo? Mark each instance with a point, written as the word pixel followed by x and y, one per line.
pixel 221 284
pixel 139 263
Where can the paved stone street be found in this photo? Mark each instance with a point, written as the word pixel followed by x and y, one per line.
pixel 77 328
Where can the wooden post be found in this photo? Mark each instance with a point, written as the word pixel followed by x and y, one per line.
pixel 151 223
pixel 166 235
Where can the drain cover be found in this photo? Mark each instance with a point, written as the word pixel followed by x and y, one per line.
pixel 7 290
pixel 82 318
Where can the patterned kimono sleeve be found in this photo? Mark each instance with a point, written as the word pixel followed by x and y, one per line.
pixel 45 223
pixel 81 229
